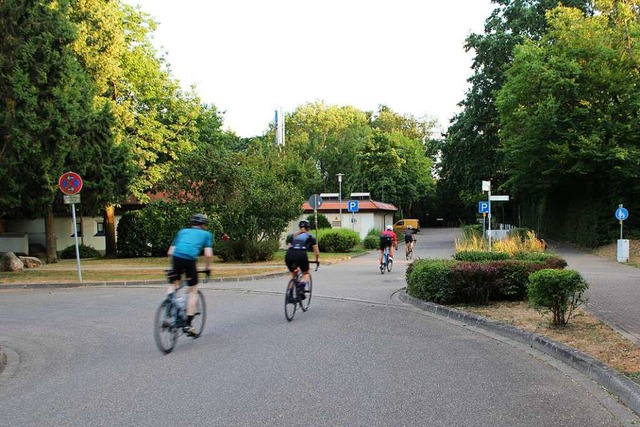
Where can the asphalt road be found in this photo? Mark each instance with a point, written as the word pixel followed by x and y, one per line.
pixel 358 357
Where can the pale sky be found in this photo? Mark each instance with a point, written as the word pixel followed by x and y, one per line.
pixel 247 57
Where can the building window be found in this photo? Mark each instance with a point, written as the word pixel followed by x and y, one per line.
pixel 78 227
pixel 99 228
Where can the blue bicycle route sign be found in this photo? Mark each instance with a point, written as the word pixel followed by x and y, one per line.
pixel 622 214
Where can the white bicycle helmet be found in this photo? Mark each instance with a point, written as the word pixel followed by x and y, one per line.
pixel 389 227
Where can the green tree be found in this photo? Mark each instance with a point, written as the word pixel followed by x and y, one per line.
pixel 327 139
pixel 155 121
pixel 396 169
pixel 46 110
pixel 246 190
pixel 569 119
pixel 470 153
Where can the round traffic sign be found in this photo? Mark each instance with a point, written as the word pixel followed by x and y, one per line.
pixel 70 183
pixel 315 201
pixel 622 214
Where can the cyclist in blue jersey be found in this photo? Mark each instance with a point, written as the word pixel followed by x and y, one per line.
pixel 184 251
pixel 296 255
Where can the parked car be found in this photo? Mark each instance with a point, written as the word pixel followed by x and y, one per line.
pixel 401 226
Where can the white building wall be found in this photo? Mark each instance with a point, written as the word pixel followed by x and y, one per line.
pixel 364 222
pixel 35 230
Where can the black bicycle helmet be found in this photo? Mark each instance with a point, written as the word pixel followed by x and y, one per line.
pixel 199 219
pixel 304 224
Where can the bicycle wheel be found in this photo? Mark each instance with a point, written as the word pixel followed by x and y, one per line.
pixel 290 305
pixel 383 266
pixel 200 316
pixel 164 328
pixel 389 265
pixel 304 304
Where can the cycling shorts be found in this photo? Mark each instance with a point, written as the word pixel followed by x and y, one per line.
pixel 297 258
pixel 187 267
pixel 384 243
pixel 408 239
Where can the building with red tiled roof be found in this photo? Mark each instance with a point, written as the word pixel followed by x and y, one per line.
pixel 370 213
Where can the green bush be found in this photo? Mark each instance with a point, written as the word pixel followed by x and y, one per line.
pixel 150 231
pixel 558 291
pixel 241 250
pixel 260 251
pixel 372 239
pixel 476 256
pixel 428 279
pixel 225 250
pixel 132 238
pixel 471 282
pixel 549 260
pixel 84 251
pixel 371 242
pixel 323 222
pixel 513 278
pixel 338 240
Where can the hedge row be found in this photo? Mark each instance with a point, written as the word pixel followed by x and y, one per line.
pixel 338 240
pixel 464 282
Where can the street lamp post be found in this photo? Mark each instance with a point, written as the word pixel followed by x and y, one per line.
pixel 340 175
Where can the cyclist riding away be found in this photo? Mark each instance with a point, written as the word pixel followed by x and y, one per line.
pixel 184 252
pixel 388 239
pixel 296 256
pixel 410 238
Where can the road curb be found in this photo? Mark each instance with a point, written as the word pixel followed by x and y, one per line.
pixel 3 359
pixel 624 388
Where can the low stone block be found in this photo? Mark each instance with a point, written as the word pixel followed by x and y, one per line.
pixel 30 261
pixel 10 262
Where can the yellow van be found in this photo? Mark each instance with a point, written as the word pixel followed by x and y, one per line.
pixel 401 226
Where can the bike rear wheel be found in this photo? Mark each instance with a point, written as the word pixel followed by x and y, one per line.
pixel 200 316
pixel 304 304
pixel 164 328
pixel 389 265
pixel 290 301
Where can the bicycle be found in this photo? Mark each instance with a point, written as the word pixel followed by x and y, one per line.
pixel 409 249
pixel 171 317
pixel 291 302
pixel 387 263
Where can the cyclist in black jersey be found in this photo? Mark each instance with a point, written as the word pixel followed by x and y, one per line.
pixel 296 256
pixel 410 237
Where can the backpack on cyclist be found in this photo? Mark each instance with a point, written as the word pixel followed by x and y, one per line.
pixel 386 240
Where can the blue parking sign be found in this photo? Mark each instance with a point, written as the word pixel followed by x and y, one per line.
pixel 352 206
pixel 483 207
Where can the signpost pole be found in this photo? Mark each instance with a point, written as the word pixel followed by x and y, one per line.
pixel 75 235
pixel 70 184
pixel 484 224
pixel 489 226
pixel 620 207
pixel 315 218
pixel 340 175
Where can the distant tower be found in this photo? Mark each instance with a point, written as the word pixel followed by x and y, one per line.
pixel 279 126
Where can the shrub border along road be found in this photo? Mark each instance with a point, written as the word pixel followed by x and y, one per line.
pixel 624 388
